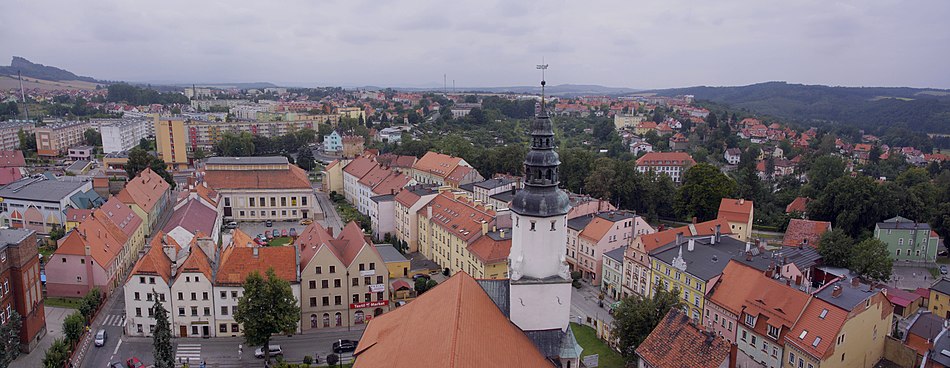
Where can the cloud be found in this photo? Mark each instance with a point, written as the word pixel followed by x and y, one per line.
pixel 642 44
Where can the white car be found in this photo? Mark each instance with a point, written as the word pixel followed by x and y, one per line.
pixel 100 339
pixel 274 350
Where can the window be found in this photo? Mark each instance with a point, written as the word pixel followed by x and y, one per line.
pixel 372 265
pixel 816 342
pixel 337 300
pixel 379 295
pixel 313 284
pixel 207 311
pixel 224 295
pixel 367 280
pixel 356 281
pixel 141 278
pixel 137 296
pixel 332 269
pixel 181 296
pixel 791 358
pixel 379 279
pixel 824 312
pixel 743 338
pixel 752 341
pixel 313 301
pixel 151 280
pixel 148 297
pixel 194 296
pixel 234 294
pixel 326 301
pixel 336 283
pixel 319 270
pixel 325 284
pixel 283 201
pixel 356 298
pixel 204 295
pixel 194 311
pixel 749 320
pixel 841 339
pixel 235 327
pixel 138 312
pixel 532 226
pixel 552 225
pixel 223 327
pixel 181 311
pixel 803 334
pixel 224 312
pixel 250 202
pixel 773 331
pixel 730 326
pixel 801 363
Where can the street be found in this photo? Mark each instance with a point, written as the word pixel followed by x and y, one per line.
pixel 585 306
pixel 331 217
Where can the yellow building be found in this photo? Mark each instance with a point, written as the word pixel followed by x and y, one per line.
pixel 74 217
pixel 449 228
pixel 351 112
pixel 739 213
pixel 397 264
pixel 332 180
pixel 408 202
pixel 940 298
pixel 171 142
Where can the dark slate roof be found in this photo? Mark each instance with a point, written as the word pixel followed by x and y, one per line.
pixel 616 254
pixel 802 257
pixel 901 223
pixel 506 196
pixel 264 160
pixel 470 187
pixel 44 190
pixel 499 291
pixel 383 198
pixel 87 200
pixel 580 222
pixel 14 236
pixel 493 183
pixel 614 216
pixel 547 341
pixel 941 344
pixel 850 296
pixel 705 261
pixel 942 286
pixel 389 254
pixel 496 235
pixel 78 165
pixel 927 326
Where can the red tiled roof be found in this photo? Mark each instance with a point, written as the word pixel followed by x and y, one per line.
pixel 457 216
pixel 735 210
pixel 9 175
pixel 799 205
pixel 104 242
pixel 734 287
pixel 391 184
pixel 407 198
pixel 310 240
pixel 122 216
pixel 489 250
pixel 197 261
pixel 476 333
pixel 292 178
pixel 677 343
pixel 145 190
pixel 238 261
pixel 359 166
pixel 375 176
pixel 665 159
pixel 459 173
pixel 154 262
pixel 76 214
pixel 900 297
pixel 661 238
pixel 826 328
pixel 804 232
pixel 437 164
pixel 12 158
pixel 923 292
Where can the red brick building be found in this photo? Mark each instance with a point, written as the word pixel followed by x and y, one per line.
pixel 20 284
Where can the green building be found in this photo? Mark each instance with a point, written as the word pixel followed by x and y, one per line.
pixel 908 240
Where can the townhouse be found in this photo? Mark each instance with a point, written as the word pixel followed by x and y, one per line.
pixel 908 240
pixel 151 276
pixel 190 217
pixel 193 292
pixel 353 145
pixel 739 213
pixel 261 188
pixel 611 281
pixel 333 142
pixel 448 225
pixel 352 173
pixel 149 195
pixel 332 175
pixel 378 181
pixel 766 317
pixel 20 288
pixel 88 257
pixel 590 236
pixel 488 255
pixel 134 229
pixel 672 164
pixel 483 190
pixel 939 302
pixel 407 204
pixel 436 168
pixel 40 203
pixel 343 279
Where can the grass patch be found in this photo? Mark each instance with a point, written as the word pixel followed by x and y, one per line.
pixel 279 242
pixel 934 272
pixel 62 302
pixel 46 251
pixel 587 338
pixel 943 260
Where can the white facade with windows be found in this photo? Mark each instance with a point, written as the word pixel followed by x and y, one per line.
pixel 139 300
pixel 119 135
pixel 193 306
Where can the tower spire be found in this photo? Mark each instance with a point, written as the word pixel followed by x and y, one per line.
pixel 542 67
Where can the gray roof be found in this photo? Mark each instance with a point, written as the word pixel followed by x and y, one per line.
pixel 927 325
pixel 497 234
pixel 804 258
pixel 263 160
pixel 850 296
pixel 941 344
pixel 499 291
pixel 942 286
pixel 506 196
pixel 580 222
pixel 470 187
pixel 616 254
pixel 901 223
pixel 389 254
pixel 42 190
pixel 78 165
pixel 87 200
pixel 493 183
pixel 547 341
pixel 614 216
pixel 14 236
pixel 383 198
pixel 705 261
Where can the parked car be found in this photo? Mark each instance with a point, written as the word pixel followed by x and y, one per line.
pixel 275 233
pixel 943 269
pixel 268 236
pixel 274 350
pixel 344 346
pixel 268 223
pixel 231 225
pixel 116 365
pixel 134 362
pixel 420 276
pixel 306 221
pixel 293 232
pixel 260 242
pixel 283 232
pixel 101 337
pixel 261 237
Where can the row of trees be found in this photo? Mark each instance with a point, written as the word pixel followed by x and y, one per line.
pixel 73 326
pixel 288 145
pixel 121 92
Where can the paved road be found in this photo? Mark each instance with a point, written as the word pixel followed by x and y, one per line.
pixel 112 319
pixel 54 330
pixel 331 217
pixel 585 304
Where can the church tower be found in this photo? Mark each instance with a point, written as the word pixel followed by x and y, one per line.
pixel 540 281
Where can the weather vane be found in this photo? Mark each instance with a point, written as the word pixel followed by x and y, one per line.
pixel 542 67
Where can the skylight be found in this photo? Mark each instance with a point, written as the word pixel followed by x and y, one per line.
pixel 802 336
pixel 817 341
pixel 824 312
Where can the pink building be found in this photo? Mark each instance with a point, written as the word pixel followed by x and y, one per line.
pixel 589 237
pixel 88 257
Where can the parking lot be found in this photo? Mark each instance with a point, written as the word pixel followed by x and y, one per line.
pixel 259 227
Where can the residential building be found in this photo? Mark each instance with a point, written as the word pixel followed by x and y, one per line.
pixel 905 303
pixel 191 217
pixel 725 299
pixel 612 278
pixel 448 225
pixel 343 280
pixel 333 142
pixel 765 318
pixel 673 164
pixel 462 175
pixel 908 240
pixel 171 142
pixel 381 210
pixel 679 142
pixel 120 135
pixel 924 330
pixel 131 225
pixel 678 342
pixel 732 156
pixel 462 109
pixel 40 203
pixel 798 206
pixel 605 231
pixel 353 145
pixel 378 181
pixel 333 176
pixel 151 275
pixel 238 260
pixel 80 153
pixel 149 195
pixel 261 188
pixel 74 217
pixel 54 139
pixel 489 254
pixel 804 232
pixel 939 302
pixel 739 213
pixel 844 325
pixel 624 121
pixel 402 163
pixel 483 190
pixel 10 133
pixel 392 134
pixel 396 263
pixel 435 168
pixel 90 256
pixel 407 204
pixel 12 166
pixel 352 173
pixel 193 293
pixel 20 277
pixel 637 148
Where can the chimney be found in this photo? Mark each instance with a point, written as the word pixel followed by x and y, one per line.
pixel 748 246
pixel 502 233
pixel 855 282
pixel 733 355
pixel 330 231
pixel 836 292
pixel 694 220
pixel 690 245
pixel 679 238
pixel 712 239
pixel 741 201
pixel 748 256
pixel 484 227
pixel 429 212
pixel 718 232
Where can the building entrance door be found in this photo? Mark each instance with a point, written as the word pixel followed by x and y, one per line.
pixel 183 331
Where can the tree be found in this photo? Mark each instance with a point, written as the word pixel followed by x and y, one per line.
pixel 825 170
pixel 56 355
pixel 139 160
pixel 10 339
pixel 267 307
pixel 871 260
pixel 423 284
pixel 93 137
pixel 199 154
pixel 835 247
pixel 636 317
pixel 332 359
pixel 162 337
pixel 704 186
pixel 56 232
pixel 305 158
pixel 73 326
pixel 234 145
pixel 854 204
pixel 27 141
pixel 600 182
pixel 145 144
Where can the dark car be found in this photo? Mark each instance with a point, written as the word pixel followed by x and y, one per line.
pixel 293 232
pixel 275 233
pixel 268 223
pixel 116 365
pixel 420 276
pixel 134 362
pixel 344 346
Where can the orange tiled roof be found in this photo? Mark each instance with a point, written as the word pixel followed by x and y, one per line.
pixel 661 238
pixel 359 167
pixel 489 250
pixel 407 198
pixel 826 328
pixel 197 261
pixel 677 343
pixel 154 262
pixel 391 184
pixel 76 214
pixel 437 164
pixel 805 232
pixel 735 210
pixel 239 261
pixel 799 205
pixel 145 190
pixel 104 243
pixel 310 239
pixel 459 173
pixel 477 333
pixel 597 228
pixel 292 178
pixel 457 216
pixel 665 159
pixel 733 287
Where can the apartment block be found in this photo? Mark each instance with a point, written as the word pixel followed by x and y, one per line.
pixel 54 139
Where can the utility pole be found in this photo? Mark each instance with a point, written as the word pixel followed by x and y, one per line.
pixel 26 110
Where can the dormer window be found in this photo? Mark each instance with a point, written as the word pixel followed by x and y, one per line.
pixel 749 320
pixel 773 332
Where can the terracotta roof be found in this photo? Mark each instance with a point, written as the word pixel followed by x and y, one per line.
pixel 104 242
pixel 122 216
pixel 458 216
pixel 197 261
pixel 735 210
pixel 392 160
pixel 476 334
pixel 661 238
pixel 206 193
pixel 459 173
pixel 375 176
pixel 811 326
pixel 799 205
pixel 665 159
pixel 677 343
pixel 731 291
pixel 12 158
pixel 355 242
pixel 332 164
pixel 154 262
pixel 9 175
pixel 193 217
pixel 392 183
pixel 437 164
pixel 359 166
pixel 804 232
pixel 240 261
pixel 76 214
pixel 491 250
pixel 773 303
pixel 309 240
pixel 145 190
pixel 292 178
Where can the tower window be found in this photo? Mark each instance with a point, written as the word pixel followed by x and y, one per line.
pixel 532 226
pixel 552 225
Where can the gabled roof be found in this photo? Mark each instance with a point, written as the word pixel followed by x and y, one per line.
pixel 735 210
pixel 193 217
pixel 309 241
pixel 677 343
pixel 291 178
pixel 9 175
pixel 602 222
pixel 239 261
pixel 144 190
pixel 122 216
pixel 800 205
pixel 76 214
pixel 155 263
pixel 104 243
pixel 492 247
pixel 437 164
pixel 658 239
pixel 375 176
pixel 731 291
pixel 458 216
pixel 459 173
pixel 391 184
pixel 815 334
pixel 359 167
pixel 941 286
pixel 13 158
pixel 197 261
pixel 804 232
pixel 665 158
pixel 408 196
pixel 477 333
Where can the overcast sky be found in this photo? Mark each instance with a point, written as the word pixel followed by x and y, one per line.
pixel 487 43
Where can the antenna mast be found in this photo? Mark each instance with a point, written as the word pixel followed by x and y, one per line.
pixel 542 67
pixel 26 110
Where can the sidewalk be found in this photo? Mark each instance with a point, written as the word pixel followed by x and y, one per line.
pixel 54 330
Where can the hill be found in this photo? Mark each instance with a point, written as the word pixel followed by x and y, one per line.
pixel 923 110
pixel 40 71
pixel 565 90
pixel 8 83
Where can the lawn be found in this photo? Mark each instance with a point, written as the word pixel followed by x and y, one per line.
pixel 934 272
pixel 587 338
pixel 62 302
pixel 281 241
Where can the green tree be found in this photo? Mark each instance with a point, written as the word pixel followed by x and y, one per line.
pixel 305 158
pixel 267 307
pixel 854 204
pixel 139 159
pixel 56 232
pixel 73 326
pixel 145 144
pixel 600 182
pixel 162 336
pixel 835 247
pixel 636 317
pixel 199 154
pixel 89 303
pixel 10 339
pixel 825 170
pixel 56 354
pixel 27 141
pixel 92 137
pixel 871 260
pixel 704 186
pixel 236 145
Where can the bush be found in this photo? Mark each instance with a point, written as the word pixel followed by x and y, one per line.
pixel 308 360
pixel 73 326
pixel 89 303
pixel 57 354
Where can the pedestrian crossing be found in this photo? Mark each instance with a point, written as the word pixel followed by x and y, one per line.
pixel 185 353
pixel 114 320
